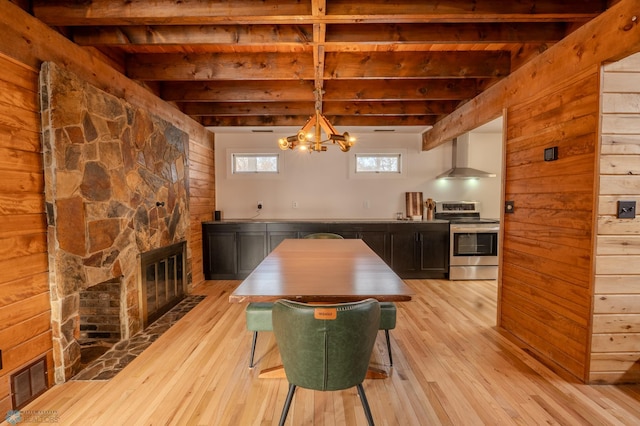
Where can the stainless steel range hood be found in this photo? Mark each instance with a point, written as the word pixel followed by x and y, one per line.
pixel 460 162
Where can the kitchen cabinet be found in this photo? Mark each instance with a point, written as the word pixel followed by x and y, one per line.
pixel 378 241
pixel 232 251
pixel 420 250
pixel 276 232
pixel 403 252
pixel 433 252
pixel 412 249
pixel 346 230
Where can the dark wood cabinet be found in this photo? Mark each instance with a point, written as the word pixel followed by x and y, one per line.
pixel 277 232
pixel 251 250
pixel 378 241
pixel 420 250
pixel 412 250
pixel 232 251
pixel 404 246
pixel 276 237
pixel 219 253
pixel 433 250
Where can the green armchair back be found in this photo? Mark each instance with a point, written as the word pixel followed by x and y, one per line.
pixel 323 236
pixel 326 347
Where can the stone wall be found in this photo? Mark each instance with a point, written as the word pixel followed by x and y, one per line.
pixel 115 186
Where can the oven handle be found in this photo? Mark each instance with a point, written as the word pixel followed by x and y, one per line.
pixel 474 229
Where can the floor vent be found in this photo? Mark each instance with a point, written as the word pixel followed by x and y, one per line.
pixel 29 383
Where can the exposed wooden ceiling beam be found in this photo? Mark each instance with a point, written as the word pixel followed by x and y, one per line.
pixel 399 65
pixel 398 90
pixel 149 35
pixel 437 33
pixel 370 108
pixel 221 66
pixel 248 108
pixel 257 90
pixel 281 66
pixel 373 108
pixel 335 90
pixel 162 12
pixel 298 120
pixel 336 34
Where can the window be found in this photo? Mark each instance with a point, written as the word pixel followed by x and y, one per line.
pixel 378 163
pixel 255 163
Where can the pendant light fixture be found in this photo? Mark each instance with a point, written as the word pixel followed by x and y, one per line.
pixel 309 137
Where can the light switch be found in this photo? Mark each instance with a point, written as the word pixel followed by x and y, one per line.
pixel 551 154
pixel 509 207
pixel 626 209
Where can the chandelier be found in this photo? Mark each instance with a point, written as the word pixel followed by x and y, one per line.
pixel 309 138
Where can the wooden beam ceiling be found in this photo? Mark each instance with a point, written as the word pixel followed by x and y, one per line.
pixel 272 63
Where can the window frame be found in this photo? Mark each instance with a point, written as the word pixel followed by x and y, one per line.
pixel 397 155
pixel 384 175
pixel 255 155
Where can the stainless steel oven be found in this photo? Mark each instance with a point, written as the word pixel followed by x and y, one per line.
pixel 474 246
pixel 473 251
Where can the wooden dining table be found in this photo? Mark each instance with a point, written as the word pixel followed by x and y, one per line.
pixel 322 270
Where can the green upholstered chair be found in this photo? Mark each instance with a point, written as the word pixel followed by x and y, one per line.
pixel 388 322
pixel 323 236
pixel 259 319
pixel 326 347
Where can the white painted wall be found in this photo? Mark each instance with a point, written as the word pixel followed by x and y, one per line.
pixel 323 187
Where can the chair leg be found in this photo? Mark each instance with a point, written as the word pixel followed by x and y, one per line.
pixel 386 333
pixel 287 404
pixel 365 404
pixel 253 348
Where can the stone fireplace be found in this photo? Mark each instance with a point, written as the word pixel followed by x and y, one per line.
pixel 115 187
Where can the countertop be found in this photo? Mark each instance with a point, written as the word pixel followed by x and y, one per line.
pixel 364 221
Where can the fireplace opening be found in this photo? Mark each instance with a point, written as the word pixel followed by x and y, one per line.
pixel 100 319
pixel 162 273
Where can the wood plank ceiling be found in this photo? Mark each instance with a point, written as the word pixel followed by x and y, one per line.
pixel 272 63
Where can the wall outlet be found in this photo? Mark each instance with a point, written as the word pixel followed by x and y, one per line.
pixel 366 204
pixel 259 205
pixel 294 204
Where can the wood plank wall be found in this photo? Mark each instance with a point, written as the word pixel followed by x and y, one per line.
pixel 615 349
pixel 25 310
pixel 545 293
pixel 201 198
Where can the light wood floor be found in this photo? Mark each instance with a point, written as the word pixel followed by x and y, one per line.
pixel 452 367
